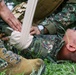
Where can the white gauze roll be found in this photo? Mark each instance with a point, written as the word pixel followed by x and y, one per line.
pixel 27 22
pixel 15 40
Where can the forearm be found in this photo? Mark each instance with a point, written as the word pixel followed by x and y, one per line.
pixel 49 27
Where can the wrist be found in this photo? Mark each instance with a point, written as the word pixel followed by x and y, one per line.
pixel 41 28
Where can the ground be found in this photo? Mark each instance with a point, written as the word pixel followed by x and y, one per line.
pixel 67 68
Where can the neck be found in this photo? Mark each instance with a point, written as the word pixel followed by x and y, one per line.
pixel 63 54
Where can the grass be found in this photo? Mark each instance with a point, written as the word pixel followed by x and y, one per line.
pixel 66 68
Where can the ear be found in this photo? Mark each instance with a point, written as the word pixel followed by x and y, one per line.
pixel 71 47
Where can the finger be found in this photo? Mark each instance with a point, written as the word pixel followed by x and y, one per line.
pixel 5 39
pixel 12 26
pixel 14 23
pixel 33 32
pixel 17 23
pixel 32 29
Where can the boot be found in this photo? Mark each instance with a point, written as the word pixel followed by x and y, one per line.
pixel 14 64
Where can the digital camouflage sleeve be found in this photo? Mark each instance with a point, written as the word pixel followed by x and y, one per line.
pixel 59 22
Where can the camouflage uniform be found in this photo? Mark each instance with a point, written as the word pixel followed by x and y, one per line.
pixel 59 22
pixel 47 46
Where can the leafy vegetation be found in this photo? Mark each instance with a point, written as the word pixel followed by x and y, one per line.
pixel 66 68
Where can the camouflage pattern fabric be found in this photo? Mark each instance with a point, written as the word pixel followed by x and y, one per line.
pixel 63 19
pixel 45 46
pixel 43 5
pixel 19 11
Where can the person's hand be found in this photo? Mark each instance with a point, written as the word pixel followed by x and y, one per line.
pixel 8 17
pixel 34 30
pixel 3 37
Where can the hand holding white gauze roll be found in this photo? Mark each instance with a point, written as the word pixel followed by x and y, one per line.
pixel 23 39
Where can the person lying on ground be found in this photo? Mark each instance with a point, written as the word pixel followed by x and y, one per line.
pixel 52 47
pixel 58 23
